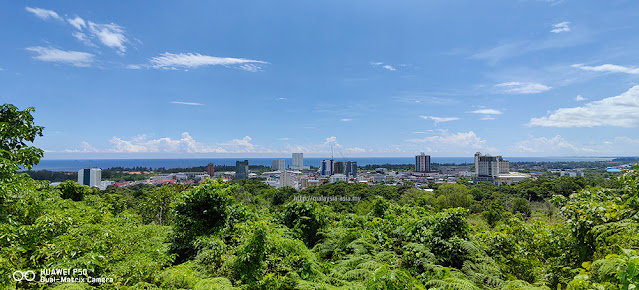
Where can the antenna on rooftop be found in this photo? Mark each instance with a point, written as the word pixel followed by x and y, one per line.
pixel 331 152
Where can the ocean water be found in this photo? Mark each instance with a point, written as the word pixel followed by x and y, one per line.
pixel 75 165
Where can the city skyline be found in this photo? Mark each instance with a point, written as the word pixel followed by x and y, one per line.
pixel 526 78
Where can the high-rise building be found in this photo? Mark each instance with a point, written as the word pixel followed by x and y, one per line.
pixel 422 163
pixel 279 164
pixel 488 167
pixel 286 179
pixel 338 167
pixel 351 168
pixel 326 168
pixel 298 161
pixel 241 170
pixel 90 176
pixel 210 169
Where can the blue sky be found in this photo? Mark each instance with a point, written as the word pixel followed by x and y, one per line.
pixel 149 79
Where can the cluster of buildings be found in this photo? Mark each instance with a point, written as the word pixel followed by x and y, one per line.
pixel 489 168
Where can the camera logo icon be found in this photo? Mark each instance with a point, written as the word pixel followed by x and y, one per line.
pixel 26 276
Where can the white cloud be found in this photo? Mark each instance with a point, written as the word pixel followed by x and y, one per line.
pixel 134 66
pixel 620 111
pixel 486 118
pixel 579 98
pixel 111 35
pixel 448 141
pixel 83 38
pixel 346 120
pixel 522 88
pixel 189 60
pixel 626 139
pixel 332 141
pixel 44 14
pixel 608 68
pixel 376 63
pixel 186 103
pixel 280 99
pixel 76 58
pixel 240 145
pixel 77 22
pixel 390 68
pixel 439 119
pixel 554 145
pixel 250 67
pixel 141 144
pixel 354 150
pixel 487 112
pixel 283 139
pixel 561 27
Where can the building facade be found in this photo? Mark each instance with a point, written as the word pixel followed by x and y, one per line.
pixel 279 164
pixel 210 169
pixel 241 170
pixel 90 176
pixel 422 163
pixel 326 168
pixel 286 179
pixel 338 167
pixel 351 168
pixel 298 161
pixel 488 168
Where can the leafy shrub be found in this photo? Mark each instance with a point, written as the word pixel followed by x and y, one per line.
pixel 306 219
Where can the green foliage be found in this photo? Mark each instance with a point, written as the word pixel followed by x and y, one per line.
pixel 71 190
pixel 156 206
pixel 306 219
pixel 451 195
pixel 17 128
pixel 199 211
pixel 521 205
pixel 495 214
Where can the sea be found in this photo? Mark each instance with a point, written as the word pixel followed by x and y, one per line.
pixel 75 165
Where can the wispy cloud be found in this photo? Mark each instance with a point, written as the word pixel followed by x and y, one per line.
pixel 111 35
pixel 619 111
pixel 522 88
pixel 186 103
pixel 439 119
pixel 487 112
pixel 283 139
pixel 579 98
pixel 77 22
pixel 195 60
pixel 44 14
pixel 346 120
pixel 390 68
pixel 608 68
pixel 561 27
pixel 76 58
pixel 384 66
pixel 515 48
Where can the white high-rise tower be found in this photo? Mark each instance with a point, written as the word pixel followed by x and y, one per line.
pixel 298 161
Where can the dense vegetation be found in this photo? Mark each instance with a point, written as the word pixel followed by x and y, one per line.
pixel 567 233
